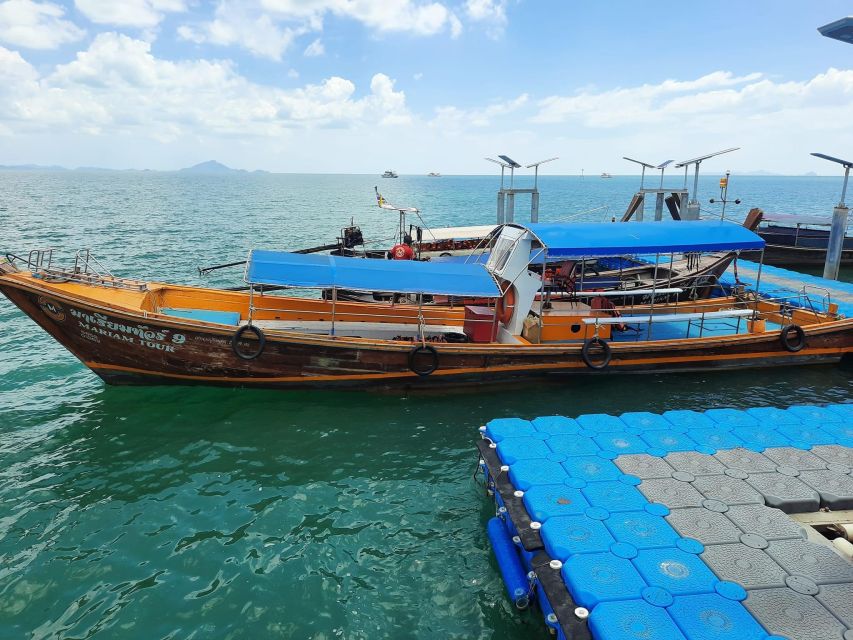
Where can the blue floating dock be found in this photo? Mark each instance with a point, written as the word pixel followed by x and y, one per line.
pixel 777 282
pixel 678 525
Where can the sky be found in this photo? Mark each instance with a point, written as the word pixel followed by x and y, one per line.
pixel 360 86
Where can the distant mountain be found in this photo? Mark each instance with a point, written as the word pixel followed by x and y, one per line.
pixel 30 167
pixel 211 166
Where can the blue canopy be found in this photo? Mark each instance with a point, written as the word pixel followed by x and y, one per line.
pixel 621 238
pixel 363 274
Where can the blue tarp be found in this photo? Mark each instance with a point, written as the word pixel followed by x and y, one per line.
pixel 362 274
pixel 622 238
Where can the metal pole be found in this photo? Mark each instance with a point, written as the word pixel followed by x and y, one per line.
pixel 652 305
pixel 835 246
pixel 642 177
pixel 334 302
pixel 757 283
pixel 844 186
pixel 251 301
pixel 695 197
pixel 542 292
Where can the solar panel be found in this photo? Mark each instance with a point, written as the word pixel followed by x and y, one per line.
pixel 701 158
pixel 536 164
pixel 645 164
pixel 839 30
pixel 510 162
pixel 846 163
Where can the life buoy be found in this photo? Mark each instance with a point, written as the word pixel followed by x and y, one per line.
pixel 433 365
pixel 235 341
pixel 605 352
pixel 799 337
pixel 506 305
pixel 402 252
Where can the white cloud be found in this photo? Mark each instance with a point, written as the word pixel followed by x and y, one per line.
pixel 267 28
pixel 314 49
pixel 633 105
pixel 422 18
pixel 237 23
pixel 36 25
pixel 143 14
pixel 453 118
pixel 490 12
pixel 118 87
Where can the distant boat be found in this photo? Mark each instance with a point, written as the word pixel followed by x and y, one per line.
pixel 389 174
pixel 606 175
pixel 434 174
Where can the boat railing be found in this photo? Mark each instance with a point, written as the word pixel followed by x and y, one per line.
pixel 87 269
pixel 39 259
pixel 825 297
pixel 691 318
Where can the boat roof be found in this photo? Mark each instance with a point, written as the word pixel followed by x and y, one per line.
pixel 580 239
pixel 458 233
pixel 786 218
pixel 318 271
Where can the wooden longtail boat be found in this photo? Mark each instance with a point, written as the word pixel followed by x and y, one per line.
pixel 139 332
pixel 799 241
pixel 697 275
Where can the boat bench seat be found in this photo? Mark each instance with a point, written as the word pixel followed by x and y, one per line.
pixel 231 318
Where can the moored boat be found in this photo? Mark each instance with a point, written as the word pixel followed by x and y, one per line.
pixel 794 240
pixel 139 332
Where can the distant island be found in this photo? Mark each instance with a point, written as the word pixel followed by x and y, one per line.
pixel 212 166
pixel 208 167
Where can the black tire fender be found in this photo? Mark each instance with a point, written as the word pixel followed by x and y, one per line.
pixel 799 340
pixel 587 359
pixel 423 348
pixel 235 341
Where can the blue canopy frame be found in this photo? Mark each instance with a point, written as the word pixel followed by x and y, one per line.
pixel 319 271
pixel 572 240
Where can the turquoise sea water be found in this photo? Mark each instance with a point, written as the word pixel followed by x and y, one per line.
pixel 210 513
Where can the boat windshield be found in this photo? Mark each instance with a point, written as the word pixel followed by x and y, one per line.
pixel 500 255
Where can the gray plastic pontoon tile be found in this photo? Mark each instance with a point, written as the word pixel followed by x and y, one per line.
pixel 815 561
pixel 744 459
pixel 835 489
pixel 792 615
pixel 699 464
pixel 752 568
pixel 789 494
pixel 834 454
pixel 729 490
pixel 708 527
pixel 671 492
pixel 796 458
pixel 769 523
pixel 838 598
pixel 644 466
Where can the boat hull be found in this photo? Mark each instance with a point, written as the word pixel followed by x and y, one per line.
pixel 128 347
